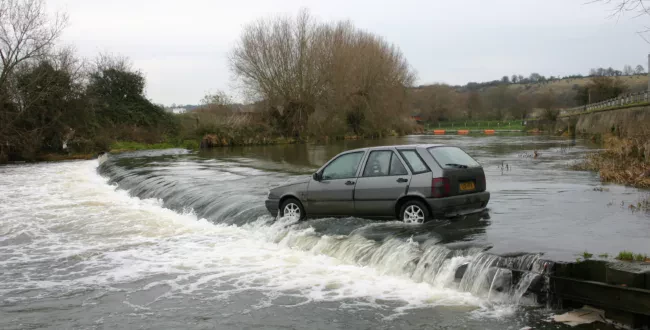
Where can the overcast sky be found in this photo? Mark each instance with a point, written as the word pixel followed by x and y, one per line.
pixel 182 46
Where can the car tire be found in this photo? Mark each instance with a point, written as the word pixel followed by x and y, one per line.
pixel 292 206
pixel 414 212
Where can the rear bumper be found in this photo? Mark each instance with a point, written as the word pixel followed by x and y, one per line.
pixel 272 205
pixel 458 205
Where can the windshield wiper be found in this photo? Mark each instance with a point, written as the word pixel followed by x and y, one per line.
pixel 456 165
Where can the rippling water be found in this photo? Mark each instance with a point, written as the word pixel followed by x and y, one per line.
pixel 168 239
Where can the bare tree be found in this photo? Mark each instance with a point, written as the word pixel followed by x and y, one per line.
pixel 634 7
pixel 639 7
pixel 639 69
pixel 300 67
pixel 627 70
pixel 218 103
pixel 27 36
pixel 26 33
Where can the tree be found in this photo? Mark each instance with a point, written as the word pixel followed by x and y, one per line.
pixel 26 33
pixel 27 36
pixel 116 94
pixel 547 101
pixel 438 102
pixel 627 70
pixel 514 79
pixel 474 104
pixel 300 67
pixel 636 7
pixel 218 103
pixel 639 69
pixel 600 89
pixel 499 100
pixel 505 80
pixel 522 106
pixel 536 77
pixel 219 98
pixel 45 95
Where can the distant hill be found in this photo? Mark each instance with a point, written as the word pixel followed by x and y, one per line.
pixel 503 100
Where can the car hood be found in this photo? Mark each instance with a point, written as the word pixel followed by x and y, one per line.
pixel 294 182
pixel 294 187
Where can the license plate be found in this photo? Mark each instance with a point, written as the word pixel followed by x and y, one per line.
pixel 466 186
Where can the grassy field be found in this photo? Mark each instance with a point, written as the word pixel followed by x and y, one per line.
pixel 476 125
pixel 634 83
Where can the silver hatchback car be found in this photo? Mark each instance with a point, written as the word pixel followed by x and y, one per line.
pixel 413 183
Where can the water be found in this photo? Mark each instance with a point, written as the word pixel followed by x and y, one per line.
pixel 169 239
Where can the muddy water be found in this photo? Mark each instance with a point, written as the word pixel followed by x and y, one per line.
pixel 169 239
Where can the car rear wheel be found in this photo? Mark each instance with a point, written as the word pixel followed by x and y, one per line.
pixel 414 212
pixel 291 207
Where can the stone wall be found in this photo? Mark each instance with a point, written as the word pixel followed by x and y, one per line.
pixel 627 122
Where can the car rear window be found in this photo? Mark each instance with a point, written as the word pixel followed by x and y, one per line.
pixel 450 157
pixel 414 161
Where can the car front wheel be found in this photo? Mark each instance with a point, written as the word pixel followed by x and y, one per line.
pixel 414 212
pixel 292 208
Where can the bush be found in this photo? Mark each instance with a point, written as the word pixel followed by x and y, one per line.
pixel 624 161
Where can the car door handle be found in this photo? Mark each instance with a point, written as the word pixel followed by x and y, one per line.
pixel 349 183
pixel 402 180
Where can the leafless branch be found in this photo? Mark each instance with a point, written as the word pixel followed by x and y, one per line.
pixel 301 66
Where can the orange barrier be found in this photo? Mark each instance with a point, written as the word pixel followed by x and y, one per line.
pixel 463 131
pixel 439 131
pixel 489 131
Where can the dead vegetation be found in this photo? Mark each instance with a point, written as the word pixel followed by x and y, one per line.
pixel 624 161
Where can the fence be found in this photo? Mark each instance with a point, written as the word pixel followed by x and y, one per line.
pixel 615 102
pixel 476 124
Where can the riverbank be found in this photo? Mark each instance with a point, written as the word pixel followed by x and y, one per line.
pixel 209 141
pixel 624 161
pixel 477 125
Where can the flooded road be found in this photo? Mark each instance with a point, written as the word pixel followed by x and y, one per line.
pixel 170 239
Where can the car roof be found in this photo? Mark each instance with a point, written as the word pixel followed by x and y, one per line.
pixel 400 146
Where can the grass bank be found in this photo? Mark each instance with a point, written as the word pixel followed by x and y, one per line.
pixel 624 161
pixel 476 125
pixel 121 146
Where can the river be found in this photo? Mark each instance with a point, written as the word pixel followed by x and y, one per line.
pixel 173 239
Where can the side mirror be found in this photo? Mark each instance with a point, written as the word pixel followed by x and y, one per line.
pixel 317 176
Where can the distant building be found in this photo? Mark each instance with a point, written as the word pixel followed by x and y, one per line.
pixel 178 110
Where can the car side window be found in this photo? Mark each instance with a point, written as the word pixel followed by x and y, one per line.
pixel 383 163
pixel 396 166
pixel 414 161
pixel 343 167
pixel 378 163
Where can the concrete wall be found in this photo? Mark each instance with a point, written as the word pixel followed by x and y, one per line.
pixel 629 122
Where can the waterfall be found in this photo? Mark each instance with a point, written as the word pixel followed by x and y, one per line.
pixel 476 277
pixel 523 286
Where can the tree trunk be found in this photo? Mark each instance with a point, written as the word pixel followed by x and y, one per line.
pixel 4 157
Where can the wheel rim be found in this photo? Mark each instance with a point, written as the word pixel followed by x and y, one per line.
pixel 413 214
pixel 291 210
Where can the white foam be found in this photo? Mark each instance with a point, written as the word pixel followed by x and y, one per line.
pixel 64 228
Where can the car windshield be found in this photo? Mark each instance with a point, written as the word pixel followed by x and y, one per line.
pixel 450 157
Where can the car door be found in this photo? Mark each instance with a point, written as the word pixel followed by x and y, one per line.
pixel 384 179
pixel 332 195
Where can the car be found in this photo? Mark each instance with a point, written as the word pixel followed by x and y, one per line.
pixel 412 183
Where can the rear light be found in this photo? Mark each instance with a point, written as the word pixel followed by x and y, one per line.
pixel 440 187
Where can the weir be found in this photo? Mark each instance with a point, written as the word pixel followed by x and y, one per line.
pixel 434 253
